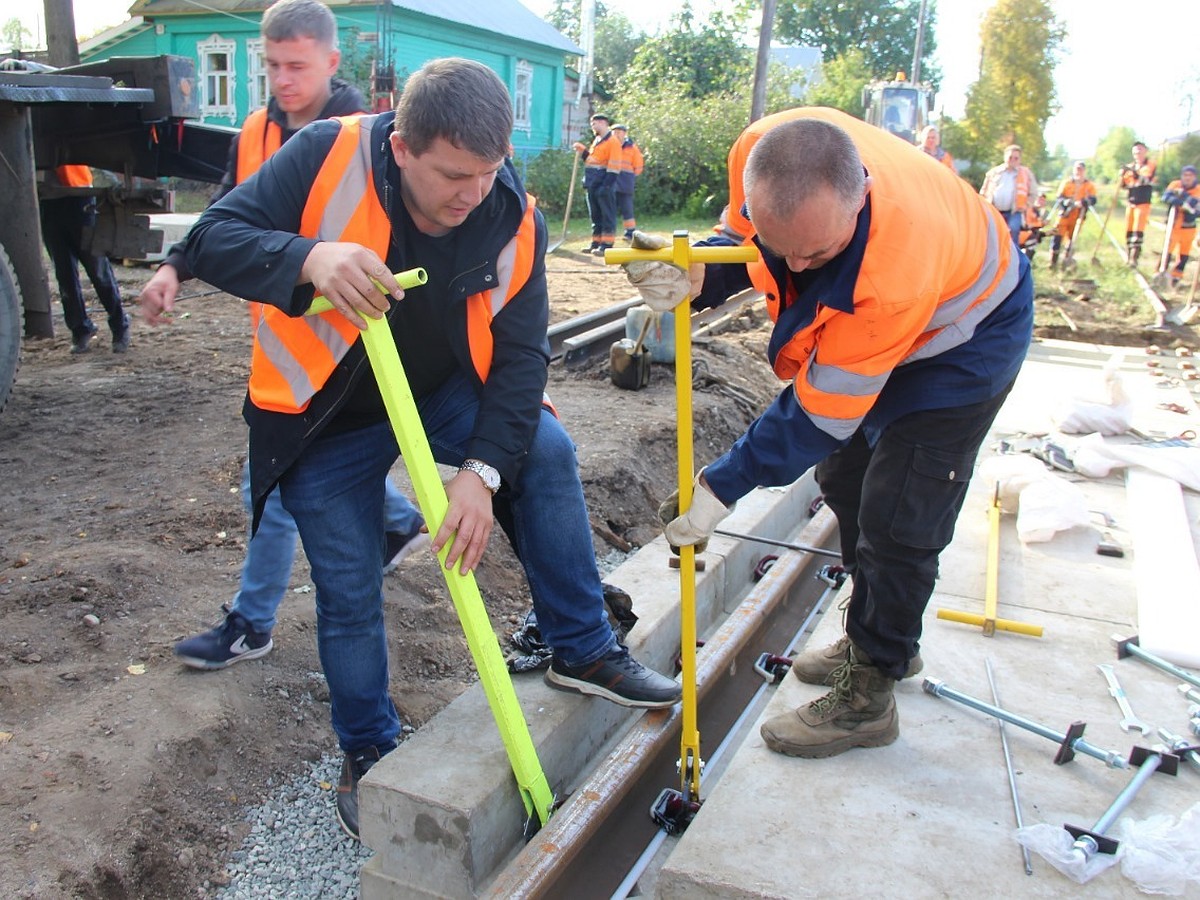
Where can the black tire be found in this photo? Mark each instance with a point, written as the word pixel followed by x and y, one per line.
pixel 11 313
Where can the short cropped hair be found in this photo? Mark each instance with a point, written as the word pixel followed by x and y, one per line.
pixel 1011 147
pixel 793 160
pixel 289 20
pixel 600 116
pixel 459 100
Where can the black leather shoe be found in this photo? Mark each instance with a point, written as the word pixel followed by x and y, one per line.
pixel 617 677
pixel 354 766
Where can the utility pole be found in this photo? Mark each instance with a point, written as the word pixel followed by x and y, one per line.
pixel 919 50
pixel 61 45
pixel 587 38
pixel 758 102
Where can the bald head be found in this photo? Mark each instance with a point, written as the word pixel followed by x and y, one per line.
pixel 798 160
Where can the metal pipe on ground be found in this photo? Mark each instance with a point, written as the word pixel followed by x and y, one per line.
pixel 545 859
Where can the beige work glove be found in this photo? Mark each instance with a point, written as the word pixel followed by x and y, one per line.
pixel 662 285
pixel 695 527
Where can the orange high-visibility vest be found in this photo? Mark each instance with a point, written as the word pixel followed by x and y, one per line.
pixel 259 139
pixel 294 356
pixel 918 294
pixel 74 176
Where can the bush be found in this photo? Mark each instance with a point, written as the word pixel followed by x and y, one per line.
pixel 548 177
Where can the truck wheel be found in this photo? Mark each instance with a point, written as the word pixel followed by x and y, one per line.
pixel 10 328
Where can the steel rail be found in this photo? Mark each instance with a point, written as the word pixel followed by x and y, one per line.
pixel 610 809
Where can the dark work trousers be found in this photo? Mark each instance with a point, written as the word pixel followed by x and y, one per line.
pixel 602 207
pixel 896 504
pixel 63 222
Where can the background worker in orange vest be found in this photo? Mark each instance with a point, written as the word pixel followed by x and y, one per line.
pixel 64 220
pixel 632 163
pixel 1184 195
pixel 300 46
pixel 930 140
pixel 1031 228
pixel 1076 195
pixel 602 165
pixel 333 212
pixel 1138 177
pixel 902 317
pixel 1010 187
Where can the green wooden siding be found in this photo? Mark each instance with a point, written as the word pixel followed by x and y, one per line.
pixel 415 39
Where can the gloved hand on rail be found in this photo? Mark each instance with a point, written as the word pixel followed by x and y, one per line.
pixel 662 285
pixel 696 526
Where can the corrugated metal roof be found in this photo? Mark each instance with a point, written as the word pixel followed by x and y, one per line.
pixel 506 17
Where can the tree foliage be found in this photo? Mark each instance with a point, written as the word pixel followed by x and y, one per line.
pixel 615 39
pixel 1014 97
pixel 841 84
pixel 1112 152
pixel 884 32
pixel 700 58
pixel 13 34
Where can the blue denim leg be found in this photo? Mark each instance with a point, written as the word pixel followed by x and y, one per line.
pixel 550 524
pixel 267 570
pixel 399 513
pixel 334 491
pixel 1015 221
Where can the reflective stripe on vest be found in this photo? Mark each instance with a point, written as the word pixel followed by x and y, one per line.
pixel 259 139
pixel 911 302
pixel 74 176
pixel 513 268
pixel 293 357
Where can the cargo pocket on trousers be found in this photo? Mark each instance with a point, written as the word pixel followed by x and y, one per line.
pixel 931 498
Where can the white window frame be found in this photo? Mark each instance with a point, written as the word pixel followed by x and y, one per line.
pixel 523 97
pixel 210 107
pixel 258 89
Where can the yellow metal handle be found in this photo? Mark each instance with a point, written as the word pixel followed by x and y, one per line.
pixel 409 278
pixel 953 615
pixel 690 255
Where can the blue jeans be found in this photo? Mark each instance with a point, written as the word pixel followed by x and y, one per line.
pixel 267 570
pixel 1015 220
pixel 332 490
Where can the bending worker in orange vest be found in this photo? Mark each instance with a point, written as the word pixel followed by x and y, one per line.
pixel 1076 195
pixel 902 315
pixel 300 46
pixel 348 201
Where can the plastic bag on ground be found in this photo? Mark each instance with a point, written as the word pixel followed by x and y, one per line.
pixel 1053 844
pixel 1111 415
pixel 1096 457
pixel 1160 855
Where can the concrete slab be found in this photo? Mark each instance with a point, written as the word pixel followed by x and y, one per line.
pixel 443 813
pixel 931 814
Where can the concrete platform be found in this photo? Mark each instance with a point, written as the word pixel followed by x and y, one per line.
pixel 931 815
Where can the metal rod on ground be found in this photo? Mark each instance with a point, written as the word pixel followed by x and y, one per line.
pixel 772 542
pixel 1090 841
pixel 1129 647
pixel 1012 776
pixel 464 590
pixel 1069 744
pixel 1182 746
pixel 208 293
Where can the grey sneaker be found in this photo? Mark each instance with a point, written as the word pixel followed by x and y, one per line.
pixel 617 677
pixel 860 711
pixel 81 343
pixel 817 666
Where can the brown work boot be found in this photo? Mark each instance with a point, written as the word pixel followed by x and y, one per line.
pixel 859 711
pixel 818 665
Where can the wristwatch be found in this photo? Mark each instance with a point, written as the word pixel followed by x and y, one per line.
pixel 487 474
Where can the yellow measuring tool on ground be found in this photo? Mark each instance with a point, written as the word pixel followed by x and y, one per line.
pixel 681 254
pixel 431 496
pixel 991 591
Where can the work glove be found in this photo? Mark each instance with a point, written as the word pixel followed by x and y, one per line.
pixel 662 285
pixel 696 526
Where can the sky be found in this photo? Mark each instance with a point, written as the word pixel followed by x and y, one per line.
pixel 1110 74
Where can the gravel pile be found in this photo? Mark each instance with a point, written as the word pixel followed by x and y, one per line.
pixel 295 848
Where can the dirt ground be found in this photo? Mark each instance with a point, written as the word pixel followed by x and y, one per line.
pixel 126 775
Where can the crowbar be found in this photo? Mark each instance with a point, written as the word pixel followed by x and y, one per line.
pixel 682 254
pixel 468 603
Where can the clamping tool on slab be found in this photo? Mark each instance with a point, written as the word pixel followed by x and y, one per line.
pixel 468 603
pixel 1129 647
pixel 1090 841
pixel 991 586
pixel 675 809
pixel 1068 744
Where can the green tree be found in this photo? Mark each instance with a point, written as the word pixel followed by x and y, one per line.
pixel 841 84
pixel 1112 152
pixel 884 32
pixel 698 57
pixel 615 40
pixel 13 34
pixel 1014 96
